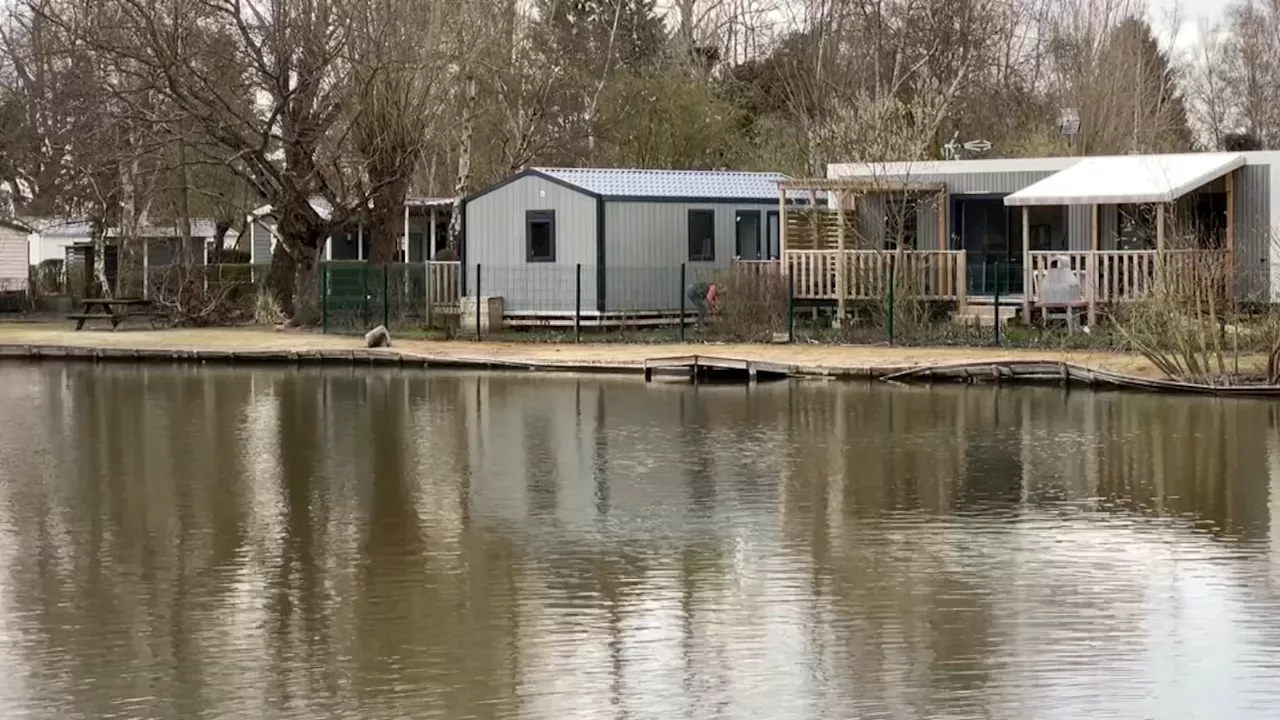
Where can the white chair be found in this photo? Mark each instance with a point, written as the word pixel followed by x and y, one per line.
pixel 1061 294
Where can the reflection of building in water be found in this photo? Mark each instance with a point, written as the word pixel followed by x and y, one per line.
pixel 860 451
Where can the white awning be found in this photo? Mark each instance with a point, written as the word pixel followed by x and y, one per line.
pixel 1127 179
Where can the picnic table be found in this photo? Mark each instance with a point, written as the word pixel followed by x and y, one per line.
pixel 115 310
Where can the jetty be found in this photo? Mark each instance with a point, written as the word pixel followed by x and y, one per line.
pixel 704 368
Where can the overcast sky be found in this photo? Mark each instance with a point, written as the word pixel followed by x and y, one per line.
pixel 1193 14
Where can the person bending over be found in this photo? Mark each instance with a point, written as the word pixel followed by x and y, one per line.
pixel 705 297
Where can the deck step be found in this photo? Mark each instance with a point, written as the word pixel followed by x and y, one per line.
pixel 985 315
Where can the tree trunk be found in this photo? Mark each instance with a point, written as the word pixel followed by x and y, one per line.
pixel 280 277
pixel 184 205
pixel 220 231
pixel 303 233
pixel 386 222
pixel 464 167
pixel 100 258
pixel 130 264
pixel 306 286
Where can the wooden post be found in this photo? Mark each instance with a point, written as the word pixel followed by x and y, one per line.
pixel 943 265
pixel 943 215
pixel 962 285
pixel 1231 235
pixel 431 233
pixel 146 268
pixel 1026 267
pixel 782 230
pixel 1160 227
pixel 842 272
pixel 404 236
pixel 1091 267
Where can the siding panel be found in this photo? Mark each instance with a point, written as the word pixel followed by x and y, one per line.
pixel 495 239
pixel 14 254
pixel 646 242
pixel 1253 226
pixel 260 242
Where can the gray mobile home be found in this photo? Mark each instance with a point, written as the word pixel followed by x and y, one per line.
pixel 1106 215
pixel 625 233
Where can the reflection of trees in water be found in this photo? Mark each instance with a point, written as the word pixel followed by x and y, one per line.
pixel 388 570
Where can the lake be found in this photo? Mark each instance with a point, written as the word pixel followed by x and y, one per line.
pixel 185 542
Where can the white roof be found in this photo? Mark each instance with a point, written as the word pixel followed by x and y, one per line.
pixel 1127 179
pixel 941 168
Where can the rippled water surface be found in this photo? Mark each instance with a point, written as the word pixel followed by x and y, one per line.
pixel 205 543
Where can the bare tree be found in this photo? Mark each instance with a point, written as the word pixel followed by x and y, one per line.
pixel 270 83
pixel 406 54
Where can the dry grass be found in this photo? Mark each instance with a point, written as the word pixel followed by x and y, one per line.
pixel 819 358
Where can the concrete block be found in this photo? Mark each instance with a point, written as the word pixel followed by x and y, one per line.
pixel 490 313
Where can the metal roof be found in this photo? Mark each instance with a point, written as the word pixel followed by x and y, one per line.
pixel 693 184
pixel 325 210
pixel 1127 179
pixel 60 228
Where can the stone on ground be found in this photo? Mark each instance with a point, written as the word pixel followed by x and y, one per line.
pixel 378 337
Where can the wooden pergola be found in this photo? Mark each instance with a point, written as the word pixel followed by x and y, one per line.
pixel 839 192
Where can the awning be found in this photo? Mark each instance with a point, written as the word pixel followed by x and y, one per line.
pixel 1127 179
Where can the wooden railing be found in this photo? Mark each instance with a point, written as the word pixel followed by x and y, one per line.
pixel 923 274
pixel 444 284
pixel 1108 276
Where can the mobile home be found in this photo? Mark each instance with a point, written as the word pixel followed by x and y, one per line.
pixel 997 225
pixel 612 242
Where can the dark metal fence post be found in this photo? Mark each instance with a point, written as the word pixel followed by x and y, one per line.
pixel 791 308
pixel 682 294
pixel 478 301
pixel 577 303
pixel 386 296
pixel 995 317
pixel 891 299
pixel 324 298
pixel 364 293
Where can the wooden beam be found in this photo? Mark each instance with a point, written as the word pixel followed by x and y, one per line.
pixel 1160 227
pixel 1026 267
pixel 1091 267
pixel 943 216
pixel 842 270
pixel 404 237
pixel 1231 235
pixel 431 249
pixel 1093 228
pixel 782 230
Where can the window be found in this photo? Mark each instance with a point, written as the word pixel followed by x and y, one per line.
pixel 540 235
pixel 702 235
pixel 772 237
pixel 1135 227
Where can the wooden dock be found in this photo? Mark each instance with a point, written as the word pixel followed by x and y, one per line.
pixel 703 368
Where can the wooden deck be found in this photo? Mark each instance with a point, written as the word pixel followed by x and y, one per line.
pixel 703 368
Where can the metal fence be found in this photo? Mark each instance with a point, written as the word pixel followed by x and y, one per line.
pixel 756 303
pixel 356 296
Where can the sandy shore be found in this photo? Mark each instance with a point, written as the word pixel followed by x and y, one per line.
pixel 815 359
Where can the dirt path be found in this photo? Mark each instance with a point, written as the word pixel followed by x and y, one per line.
pixel 819 358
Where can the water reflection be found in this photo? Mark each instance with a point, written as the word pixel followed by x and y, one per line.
pixel 186 543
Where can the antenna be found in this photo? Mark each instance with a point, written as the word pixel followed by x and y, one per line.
pixel 955 150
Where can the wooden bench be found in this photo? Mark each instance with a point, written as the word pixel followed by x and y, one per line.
pixel 115 311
